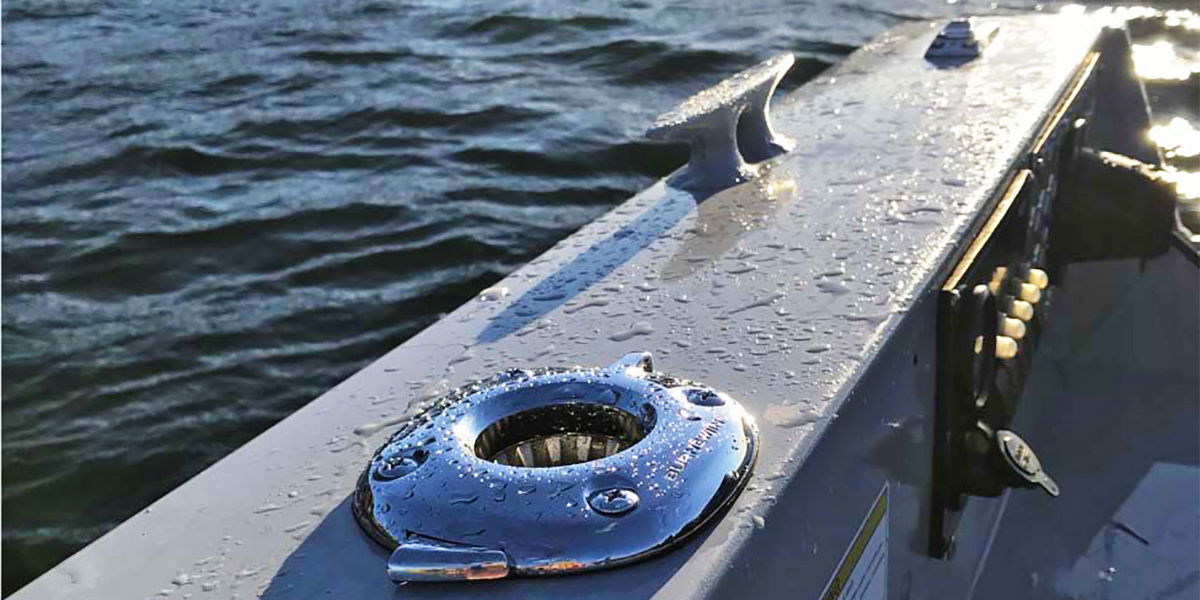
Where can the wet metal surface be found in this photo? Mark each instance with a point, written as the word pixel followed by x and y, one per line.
pixel 212 222
pixel 894 160
pixel 689 452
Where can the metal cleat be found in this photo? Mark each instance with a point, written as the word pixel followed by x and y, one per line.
pixel 555 486
pixel 708 122
pixel 961 41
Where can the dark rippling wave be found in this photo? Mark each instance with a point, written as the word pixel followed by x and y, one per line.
pixel 215 210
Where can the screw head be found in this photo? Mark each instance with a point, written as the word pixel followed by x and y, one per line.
pixel 613 502
pixel 400 464
pixel 703 397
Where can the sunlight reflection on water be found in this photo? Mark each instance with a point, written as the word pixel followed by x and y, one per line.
pixel 1187 184
pixel 1161 61
pixel 1178 138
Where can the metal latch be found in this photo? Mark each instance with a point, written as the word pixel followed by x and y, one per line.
pixel 1022 463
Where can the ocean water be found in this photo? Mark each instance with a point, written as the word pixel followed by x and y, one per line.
pixel 215 210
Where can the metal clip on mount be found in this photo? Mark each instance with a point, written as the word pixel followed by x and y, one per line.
pixel 709 121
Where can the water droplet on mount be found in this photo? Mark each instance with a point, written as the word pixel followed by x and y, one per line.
pixel 493 293
pixel 497 489
pixel 605 396
pixel 764 301
pixel 638 328
pixel 466 355
pixel 759 522
pixel 266 508
pixel 837 288
pixel 595 302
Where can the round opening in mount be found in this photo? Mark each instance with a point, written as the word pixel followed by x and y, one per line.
pixel 557 435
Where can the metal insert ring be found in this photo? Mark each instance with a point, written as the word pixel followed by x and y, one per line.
pixel 553 471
